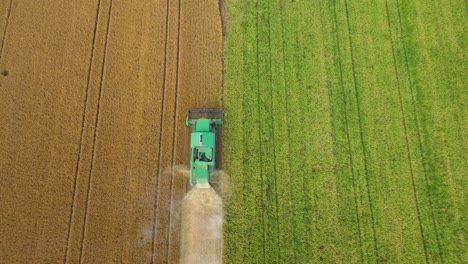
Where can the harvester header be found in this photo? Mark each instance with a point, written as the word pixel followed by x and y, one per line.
pixel 215 116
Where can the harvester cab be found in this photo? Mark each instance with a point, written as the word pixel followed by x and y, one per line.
pixel 203 144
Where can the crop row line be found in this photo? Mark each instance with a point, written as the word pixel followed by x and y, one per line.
pixel 305 170
pixel 288 128
pixel 360 130
pixel 273 134
pixel 245 184
pixel 259 133
pixel 418 133
pixel 348 137
pixel 405 129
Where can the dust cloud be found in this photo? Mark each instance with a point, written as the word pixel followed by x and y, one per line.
pixel 202 227
pixel 221 182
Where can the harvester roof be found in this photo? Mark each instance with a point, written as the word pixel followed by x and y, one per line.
pixel 199 139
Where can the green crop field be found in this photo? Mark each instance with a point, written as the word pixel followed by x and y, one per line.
pixel 345 135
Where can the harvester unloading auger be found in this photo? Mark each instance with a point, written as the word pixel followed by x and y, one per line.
pixel 203 144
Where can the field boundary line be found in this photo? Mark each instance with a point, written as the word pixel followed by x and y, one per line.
pixel 174 134
pixel 80 148
pixel 356 90
pixel 158 169
pixel 259 136
pixel 348 137
pixel 7 22
pixel 223 33
pixel 93 155
pixel 418 131
pixel 288 118
pixel 410 161
pixel 273 136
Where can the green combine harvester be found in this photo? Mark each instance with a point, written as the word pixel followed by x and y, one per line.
pixel 203 144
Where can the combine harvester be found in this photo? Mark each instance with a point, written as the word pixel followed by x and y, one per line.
pixel 202 207
pixel 203 144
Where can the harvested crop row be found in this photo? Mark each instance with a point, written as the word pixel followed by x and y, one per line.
pixel 190 69
pixel 97 109
pixel 45 63
pixel 199 85
pixel 119 202
pixel 165 168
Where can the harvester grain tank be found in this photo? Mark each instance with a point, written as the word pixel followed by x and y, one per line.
pixel 203 144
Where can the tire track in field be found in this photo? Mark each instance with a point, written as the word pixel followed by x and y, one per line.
pixel 348 137
pixel 288 118
pixel 418 129
pixel 158 169
pixel 273 137
pixel 169 215
pixel 308 199
pixel 96 124
pixel 161 247
pixel 361 132
pixel 80 150
pixel 259 133
pixel 304 197
pixel 7 22
pixel 408 151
